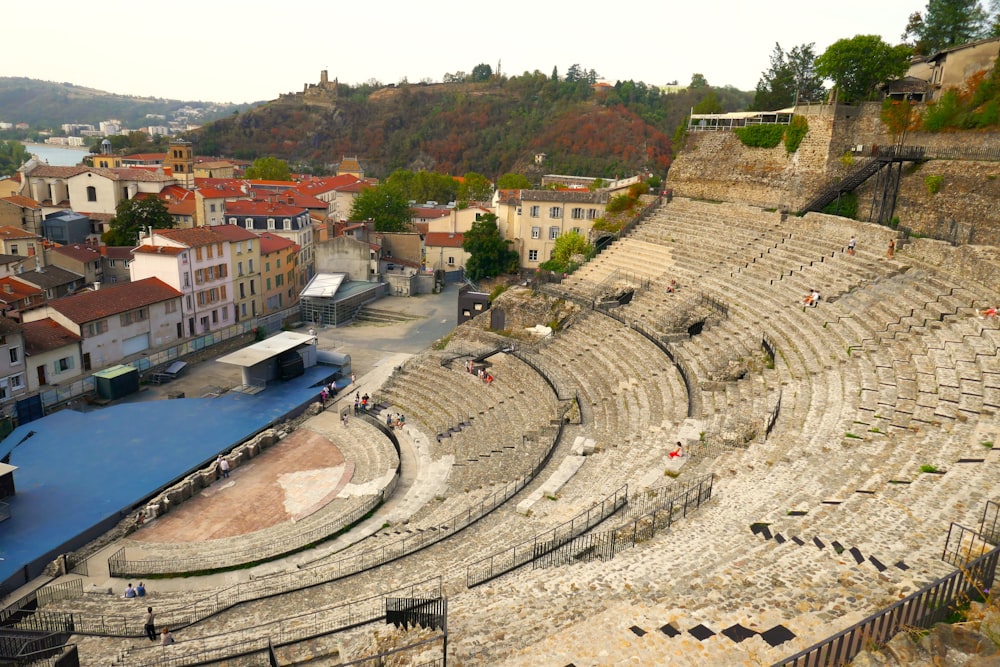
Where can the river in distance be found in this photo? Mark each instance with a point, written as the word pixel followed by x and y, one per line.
pixel 59 156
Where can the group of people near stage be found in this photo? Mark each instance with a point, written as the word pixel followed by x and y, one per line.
pixel 327 392
pixel 481 372
pixel 361 403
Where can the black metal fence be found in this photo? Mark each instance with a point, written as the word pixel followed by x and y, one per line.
pixel 989 526
pixel 64 590
pixel 656 512
pixel 931 604
pixel 963 545
pixel 525 552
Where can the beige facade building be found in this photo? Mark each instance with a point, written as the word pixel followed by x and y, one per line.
pixel 533 219
pixel 282 282
pixel 245 267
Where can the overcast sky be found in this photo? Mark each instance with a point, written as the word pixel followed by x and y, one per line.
pixel 228 51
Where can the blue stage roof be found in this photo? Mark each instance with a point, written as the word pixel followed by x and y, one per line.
pixel 81 469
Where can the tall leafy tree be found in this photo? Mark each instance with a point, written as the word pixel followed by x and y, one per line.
pixel 133 216
pixel 482 72
pixel 385 205
pixel 269 169
pixel 946 23
pixel 791 78
pixel 513 182
pixel 858 65
pixel 489 253
pixel 12 155
pixel 475 187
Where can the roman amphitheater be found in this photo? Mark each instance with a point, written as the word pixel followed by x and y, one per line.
pixel 839 459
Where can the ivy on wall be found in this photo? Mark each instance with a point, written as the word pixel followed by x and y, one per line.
pixel 769 136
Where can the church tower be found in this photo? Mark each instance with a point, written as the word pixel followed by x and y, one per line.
pixel 180 159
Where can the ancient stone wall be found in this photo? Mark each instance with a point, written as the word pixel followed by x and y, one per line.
pixel 716 165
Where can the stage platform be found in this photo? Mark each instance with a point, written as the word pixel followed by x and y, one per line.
pixel 80 473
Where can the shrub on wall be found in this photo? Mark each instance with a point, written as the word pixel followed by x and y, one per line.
pixel 933 183
pixel 796 131
pixel 760 136
pixel 619 203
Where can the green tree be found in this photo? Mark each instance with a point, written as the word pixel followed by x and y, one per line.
pixel 133 216
pixel 708 104
pixel 791 78
pixel 385 205
pixel 698 81
pixel 269 169
pixel 482 72
pixel 571 249
pixel 475 187
pixel 12 155
pixel 857 66
pixel 513 182
pixel 489 253
pixel 946 23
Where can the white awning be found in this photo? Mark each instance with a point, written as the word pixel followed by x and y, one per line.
pixel 267 349
pixel 324 285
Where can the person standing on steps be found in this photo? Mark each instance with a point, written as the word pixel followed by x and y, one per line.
pixel 892 248
pixel 850 246
pixel 150 626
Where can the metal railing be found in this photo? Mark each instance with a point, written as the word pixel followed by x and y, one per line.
pixel 658 512
pixel 989 525
pixel 963 546
pixel 62 591
pixel 287 630
pixel 509 559
pixel 922 609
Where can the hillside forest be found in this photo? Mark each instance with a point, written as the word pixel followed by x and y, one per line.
pixel 490 127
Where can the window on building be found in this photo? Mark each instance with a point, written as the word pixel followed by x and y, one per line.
pixel 208 251
pixel 16 381
pixel 91 193
pixel 577 214
pixel 215 317
pixel 189 302
pixel 536 211
pixel 591 214
pixel 555 212
pixel 536 232
pixel 451 261
pixel 187 279
pixel 553 233
pixel 96 328
pixel 13 248
pixel 268 285
pixel 253 287
pixel 15 355
pixel 64 364
pixel 232 221
pixel 287 223
pixel 170 307
pixel 250 249
pixel 279 280
pixel 197 253
pixel 577 230
pixel 211 208
pixel 532 255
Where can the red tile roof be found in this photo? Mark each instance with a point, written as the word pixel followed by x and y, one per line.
pixel 114 299
pixel 159 250
pixel 117 251
pixel 273 243
pixel 195 236
pixel 266 208
pixel 12 289
pixel 444 239
pixel 51 171
pixel 233 232
pixel 81 253
pixel 45 335
pixel 145 157
pixel 23 202
pixel 9 232
pixel 317 186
